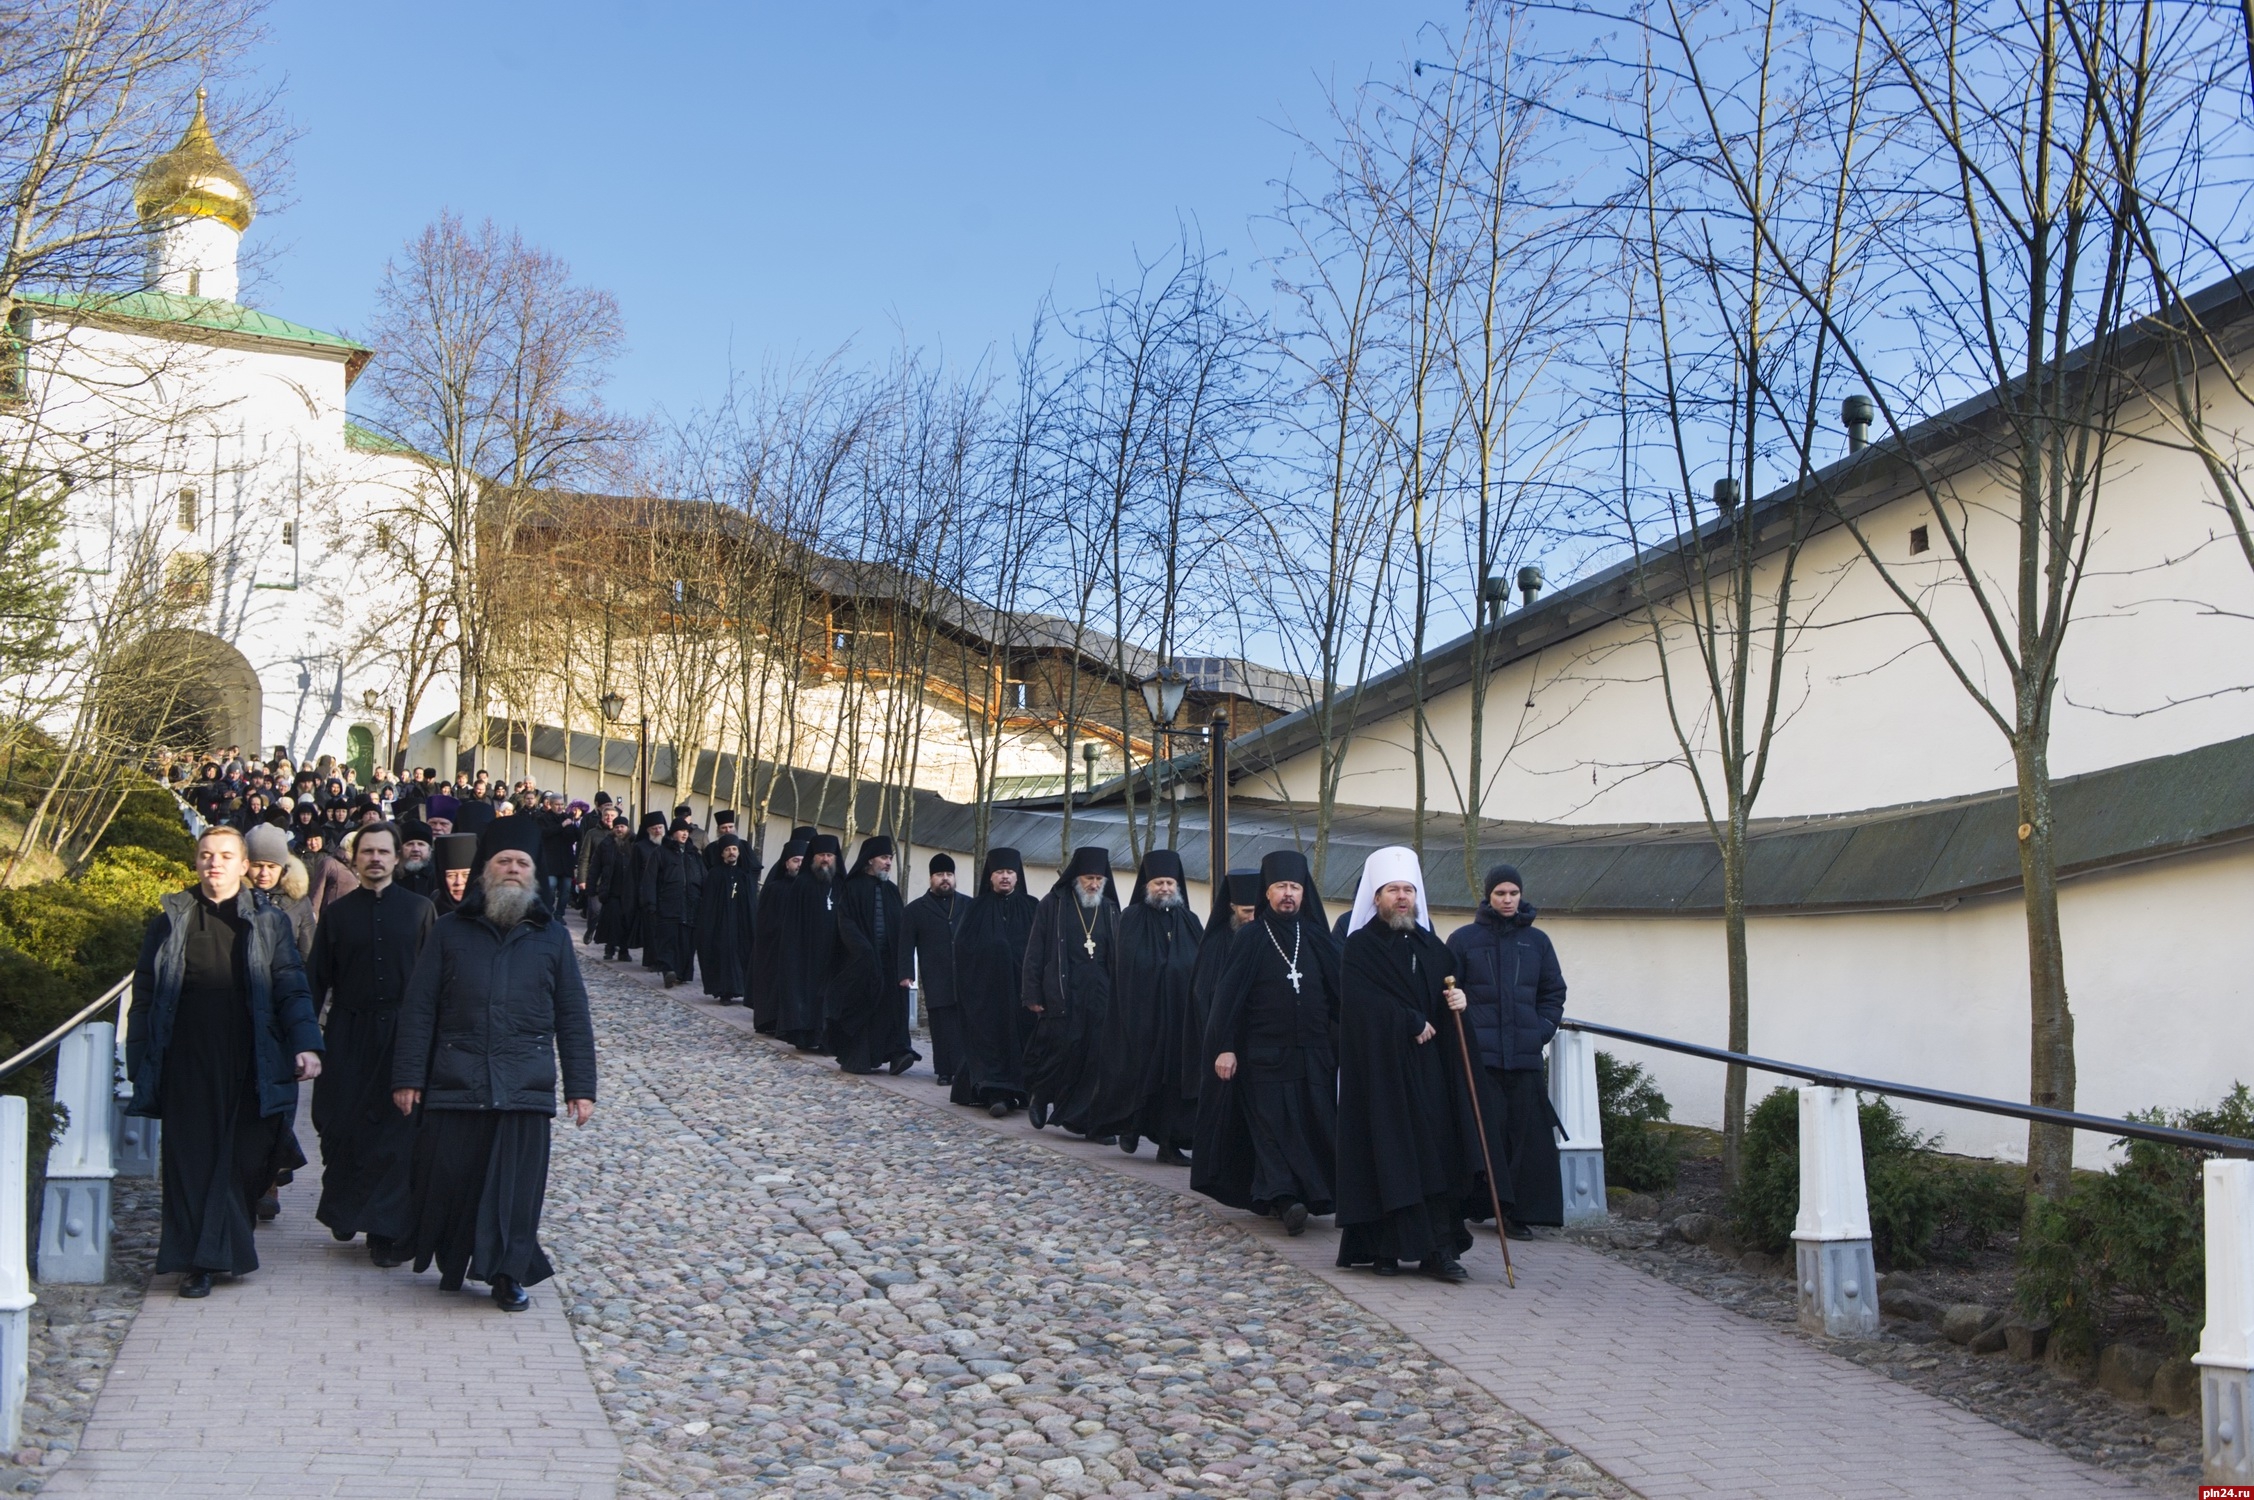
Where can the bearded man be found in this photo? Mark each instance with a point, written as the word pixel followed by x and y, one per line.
pixel 808 951
pixel 724 919
pixel 1268 1108
pixel 672 890
pixel 499 981
pixel 868 1005
pixel 934 920
pixel 1149 1040
pixel 1409 1157
pixel 989 972
pixel 1066 986
pixel 767 925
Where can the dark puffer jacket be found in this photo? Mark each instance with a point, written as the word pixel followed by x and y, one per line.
pixel 1511 976
pixel 282 1022
pixel 488 1010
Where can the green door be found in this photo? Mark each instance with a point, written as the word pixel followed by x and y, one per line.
pixel 360 750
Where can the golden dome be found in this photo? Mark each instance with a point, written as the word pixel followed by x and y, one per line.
pixel 193 180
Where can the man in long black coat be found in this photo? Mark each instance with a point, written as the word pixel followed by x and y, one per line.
pixel 1066 985
pixel 869 987
pixel 672 889
pixel 636 933
pixel 610 855
pixel 768 924
pixel 807 952
pixel 1149 1034
pixel 1409 1155
pixel 499 981
pixel 363 951
pixel 1510 971
pixel 934 918
pixel 1267 1122
pixel 726 915
pixel 989 965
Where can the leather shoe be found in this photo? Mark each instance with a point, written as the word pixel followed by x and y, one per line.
pixel 384 1253
pixel 196 1284
pixel 903 1063
pixel 1171 1156
pixel 998 1110
pixel 1038 1113
pixel 509 1297
pixel 1130 1144
pixel 1514 1230
pixel 671 979
pixel 1294 1217
pixel 1445 1268
pixel 1385 1265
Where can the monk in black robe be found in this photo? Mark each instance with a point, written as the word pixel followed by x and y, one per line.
pixel 495 1013
pixel 767 925
pixel 452 854
pixel 934 919
pixel 641 892
pixel 610 865
pixel 1140 1055
pixel 363 951
pixel 672 890
pixel 808 948
pixel 726 914
pixel 989 966
pixel 869 987
pixel 1267 1124
pixel 1066 985
pixel 1409 1156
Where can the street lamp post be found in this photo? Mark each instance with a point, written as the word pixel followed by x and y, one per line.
pixel 612 705
pixel 1163 696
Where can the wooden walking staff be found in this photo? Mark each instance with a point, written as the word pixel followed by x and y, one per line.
pixel 1471 1083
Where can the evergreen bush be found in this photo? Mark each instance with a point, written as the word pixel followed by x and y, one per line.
pixel 1639 1151
pixel 2131 1241
pixel 1920 1200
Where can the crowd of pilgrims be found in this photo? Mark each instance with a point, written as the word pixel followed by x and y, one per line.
pixel 1297 1066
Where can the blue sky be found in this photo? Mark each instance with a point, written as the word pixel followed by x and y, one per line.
pixel 763 182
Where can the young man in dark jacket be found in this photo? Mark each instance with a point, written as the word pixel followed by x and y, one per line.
pixel 1510 971
pixel 498 980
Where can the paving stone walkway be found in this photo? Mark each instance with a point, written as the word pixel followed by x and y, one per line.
pixel 1661 1388
pixel 319 1377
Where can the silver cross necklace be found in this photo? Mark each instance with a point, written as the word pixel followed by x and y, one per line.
pixel 1291 962
pixel 1087 931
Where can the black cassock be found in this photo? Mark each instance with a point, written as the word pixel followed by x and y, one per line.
pixel 933 922
pixel 1149 1029
pixel 633 932
pixel 868 1007
pixel 1068 974
pixel 672 891
pixel 1268 1136
pixel 1408 1149
pixel 805 954
pixel 363 952
pixel 989 964
pixel 768 922
pixel 726 928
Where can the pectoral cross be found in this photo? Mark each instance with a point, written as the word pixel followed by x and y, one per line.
pixel 1090 944
pixel 1291 972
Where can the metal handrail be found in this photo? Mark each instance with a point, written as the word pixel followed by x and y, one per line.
pixel 2166 1135
pixel 54 1038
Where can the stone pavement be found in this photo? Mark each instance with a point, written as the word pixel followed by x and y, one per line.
pixel 1668 1392
pixel 320 1376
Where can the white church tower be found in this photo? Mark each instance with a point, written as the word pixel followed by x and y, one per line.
pixel 196 206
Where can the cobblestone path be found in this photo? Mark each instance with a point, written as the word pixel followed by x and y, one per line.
pixel 785 1279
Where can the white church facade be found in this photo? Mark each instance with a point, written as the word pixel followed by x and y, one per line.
pixel 209 458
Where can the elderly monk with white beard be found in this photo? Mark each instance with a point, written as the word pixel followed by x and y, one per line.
pixel 499 982
pixel 1409 1160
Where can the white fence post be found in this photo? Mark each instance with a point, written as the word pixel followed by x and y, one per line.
pixel 15 1277
pixel 2226 1347
pixel 1832 1238
pixel 133 1138
pixel 1580 1144
pixel 74 1219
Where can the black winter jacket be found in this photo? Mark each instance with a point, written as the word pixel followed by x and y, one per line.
pixel 1511 976
pixel 281 1007
pixel 487 1011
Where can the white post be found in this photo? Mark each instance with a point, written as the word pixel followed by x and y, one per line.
pixel 133 1138
pixel 15 1277
pixel 74 1219
pixel 2226 1348
pixel 1580 1135
pixel 1832 1239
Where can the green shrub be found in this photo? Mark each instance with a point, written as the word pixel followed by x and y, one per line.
pixel 1919 1199
pixel 2129 1240
pixel 149 819
pixel 1639 1152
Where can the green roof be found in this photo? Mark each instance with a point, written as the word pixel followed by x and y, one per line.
pixel 368 440
pixel 196 312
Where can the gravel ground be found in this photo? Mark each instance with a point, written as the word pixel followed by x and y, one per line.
pixel 75 1334
pixel 2031 1400
pixel 783 1279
